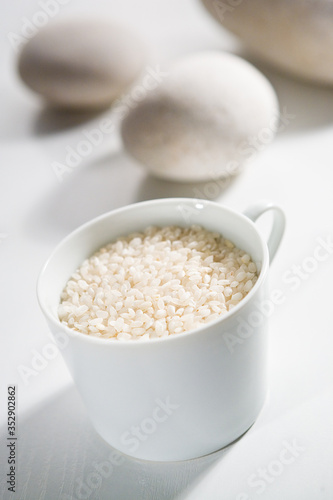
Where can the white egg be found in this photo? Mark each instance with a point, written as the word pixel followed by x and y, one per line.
pixel 81 63
pixel 211 113
pixel 295 35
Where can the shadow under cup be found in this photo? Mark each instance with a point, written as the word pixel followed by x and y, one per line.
pixel 185 395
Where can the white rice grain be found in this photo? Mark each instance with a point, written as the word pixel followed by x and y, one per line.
pixel 161 282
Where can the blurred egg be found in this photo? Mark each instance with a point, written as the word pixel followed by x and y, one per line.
pixel 211 113
pixel 295 35
pixel 81 63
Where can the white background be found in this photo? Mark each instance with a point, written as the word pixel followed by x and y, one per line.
pixel 57 446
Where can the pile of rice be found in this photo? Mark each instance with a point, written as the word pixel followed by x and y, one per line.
pixel 157 283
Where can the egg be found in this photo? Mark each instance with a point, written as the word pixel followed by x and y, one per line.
pixel 294 35
pixel 211 113
pixel 81 63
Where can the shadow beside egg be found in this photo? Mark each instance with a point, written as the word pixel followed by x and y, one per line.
pixel 152 188
pixel 51 119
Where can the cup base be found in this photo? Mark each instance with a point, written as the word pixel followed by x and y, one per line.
pixel 158 460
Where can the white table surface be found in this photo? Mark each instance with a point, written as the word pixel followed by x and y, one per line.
pixel 57 447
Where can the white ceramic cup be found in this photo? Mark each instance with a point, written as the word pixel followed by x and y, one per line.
pixel 185 395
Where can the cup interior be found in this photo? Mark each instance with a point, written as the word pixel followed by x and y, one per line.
pixel 87 239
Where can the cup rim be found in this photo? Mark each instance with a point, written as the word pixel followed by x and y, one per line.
pixel 170 338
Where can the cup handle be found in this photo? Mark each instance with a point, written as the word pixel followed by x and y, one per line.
pixel 279 223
